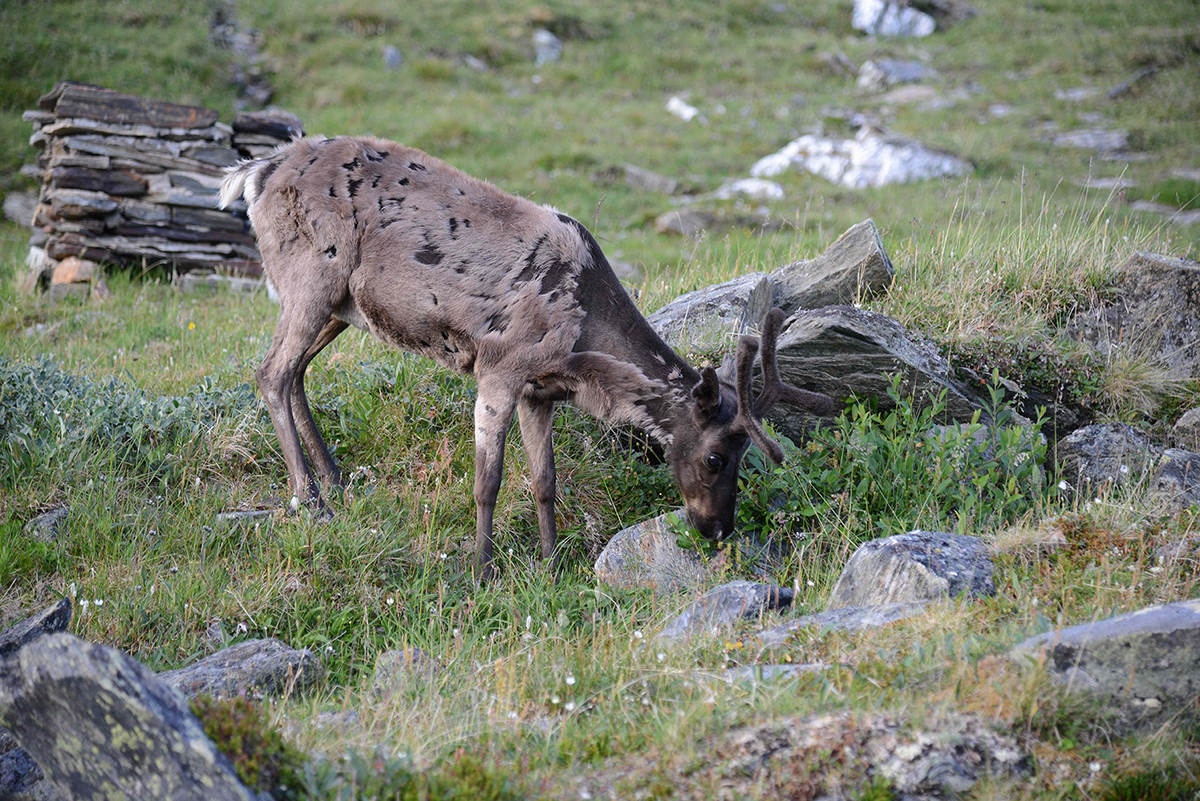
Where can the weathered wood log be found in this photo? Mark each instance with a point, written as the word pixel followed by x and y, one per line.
pixel 113 182
pixel 69 99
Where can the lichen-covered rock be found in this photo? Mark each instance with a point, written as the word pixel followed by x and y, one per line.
pixel 1143 663
pixel 1156 313
pixel 47 526
pixel 256 668
pixel 831 756
pixel 917 566
pixel 1098 458
pixel 646 555
pixel 720 608
pixel 1175 483
pixel 101 725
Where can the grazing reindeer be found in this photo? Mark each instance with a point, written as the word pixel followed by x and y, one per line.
pixel 369 233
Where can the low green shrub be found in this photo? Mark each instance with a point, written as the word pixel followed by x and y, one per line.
pixel 53 419
pixel 263 759
pixel 873 473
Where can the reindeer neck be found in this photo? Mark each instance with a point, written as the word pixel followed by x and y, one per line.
pixel 613 326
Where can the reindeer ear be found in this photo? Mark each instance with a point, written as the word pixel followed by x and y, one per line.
pixel 707 393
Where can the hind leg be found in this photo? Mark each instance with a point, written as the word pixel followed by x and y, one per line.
pixel 277 377
pixel 318 453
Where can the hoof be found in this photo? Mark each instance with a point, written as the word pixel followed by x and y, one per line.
pixel 486 573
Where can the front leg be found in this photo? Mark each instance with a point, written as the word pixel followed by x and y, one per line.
pixel 537 432
pixel 493 415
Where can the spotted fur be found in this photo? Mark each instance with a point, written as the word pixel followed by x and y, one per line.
pixel 369 233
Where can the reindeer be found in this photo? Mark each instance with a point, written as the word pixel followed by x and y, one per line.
pixel 369 233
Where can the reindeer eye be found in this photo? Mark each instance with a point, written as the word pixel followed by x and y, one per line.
pixel 714 462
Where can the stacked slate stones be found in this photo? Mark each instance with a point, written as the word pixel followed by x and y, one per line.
pixel 132 181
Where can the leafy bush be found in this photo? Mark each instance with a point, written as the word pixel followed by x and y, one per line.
pixel 52 418
pixel 875 473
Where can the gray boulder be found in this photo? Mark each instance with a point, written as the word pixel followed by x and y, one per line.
pixel 846 618
pixel 1096 458
pixel 50 620
pixel 720 608
pixel 399 666
pixel 47 526
pixel 890 20
pixel 709 319
pixel 888 72
pixel 1185 433
pixel 844 352
pixel 913 567
pixel 1175 483
pixel 256 668
pixel 647 181
pixel 1156 314
pixel 1143 664
pixel 646 555
pixel 871 159
pixel 102 725
pixel 853 269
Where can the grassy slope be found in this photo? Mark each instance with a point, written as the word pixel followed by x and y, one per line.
pixel 1016 245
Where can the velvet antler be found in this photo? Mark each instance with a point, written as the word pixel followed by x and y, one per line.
pixel 750 409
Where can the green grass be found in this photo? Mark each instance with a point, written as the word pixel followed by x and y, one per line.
pixel 543 681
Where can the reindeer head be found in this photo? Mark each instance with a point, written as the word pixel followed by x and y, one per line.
pixel 706 455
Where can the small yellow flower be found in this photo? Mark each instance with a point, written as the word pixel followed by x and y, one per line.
pixel 191 326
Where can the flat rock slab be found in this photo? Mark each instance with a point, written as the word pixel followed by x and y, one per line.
pixel 646 555
pixel 755 674
pixel 843 352
pixel 707 319
pixel 918 566
pixel 50 620
pixel 720 608
pixel 942 757
pixel 854 268
pixel 101 725
pixel 1144 663
pixel 868 160
pixel 847 618
pixel 255 668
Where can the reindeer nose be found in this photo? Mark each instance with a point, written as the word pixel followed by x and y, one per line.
pixel 711 528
